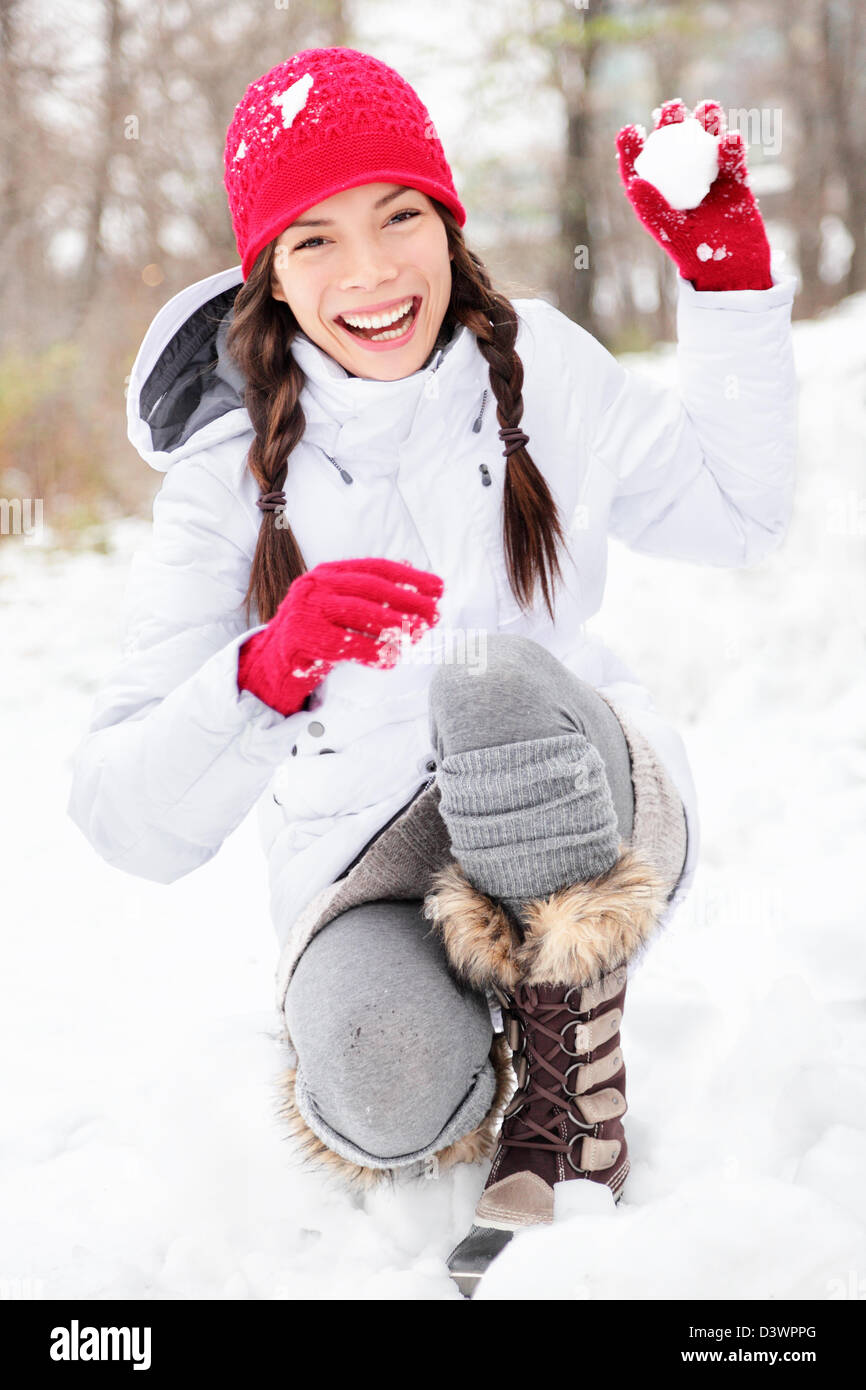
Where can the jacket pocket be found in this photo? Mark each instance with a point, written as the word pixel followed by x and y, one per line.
pixel 370 769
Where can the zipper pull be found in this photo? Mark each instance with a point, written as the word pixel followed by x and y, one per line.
pixel 431 1167
pixel 485 474
pixel 477 425
pixel 343 472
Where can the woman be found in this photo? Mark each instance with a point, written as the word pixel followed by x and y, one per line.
pixel 363 441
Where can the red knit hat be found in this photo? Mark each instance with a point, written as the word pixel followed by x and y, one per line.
pixel 324 120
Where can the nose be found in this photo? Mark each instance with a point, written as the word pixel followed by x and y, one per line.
pixel 367 266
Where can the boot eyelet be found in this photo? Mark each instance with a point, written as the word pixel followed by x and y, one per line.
pixel 584 1172
pixel 583 1126
pixel 576 1012
pixel 587 1052
pixel 572 1095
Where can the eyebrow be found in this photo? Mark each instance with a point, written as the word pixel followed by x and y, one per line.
pixel 327 222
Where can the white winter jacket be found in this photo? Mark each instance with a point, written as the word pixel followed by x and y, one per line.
pixel 175 756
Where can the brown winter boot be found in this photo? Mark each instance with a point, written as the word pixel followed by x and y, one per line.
pixel 565 1119
pixel 560 976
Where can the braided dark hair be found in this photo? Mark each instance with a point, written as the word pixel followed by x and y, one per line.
pixel 259 339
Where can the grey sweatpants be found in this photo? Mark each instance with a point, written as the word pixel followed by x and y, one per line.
pixel 393 1054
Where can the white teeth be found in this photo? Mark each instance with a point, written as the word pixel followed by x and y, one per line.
pixel 379 320
pixel 391 333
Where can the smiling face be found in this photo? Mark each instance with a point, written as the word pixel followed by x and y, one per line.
pixel 377 255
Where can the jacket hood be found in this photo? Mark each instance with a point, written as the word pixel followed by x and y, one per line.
pixel 185 393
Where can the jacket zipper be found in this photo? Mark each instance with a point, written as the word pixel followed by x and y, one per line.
pixel 369 845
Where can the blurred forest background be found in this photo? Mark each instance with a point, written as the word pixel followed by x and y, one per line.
pixel 112 127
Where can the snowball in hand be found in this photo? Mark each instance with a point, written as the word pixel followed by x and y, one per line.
pixel 680 160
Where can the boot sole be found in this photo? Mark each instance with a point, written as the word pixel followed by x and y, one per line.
pixel 470 1260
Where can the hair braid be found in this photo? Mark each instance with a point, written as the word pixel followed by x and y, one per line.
pixel 259 339
pixel 531 524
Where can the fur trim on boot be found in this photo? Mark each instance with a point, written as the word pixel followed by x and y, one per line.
pixel 572 937
pixel 473 1147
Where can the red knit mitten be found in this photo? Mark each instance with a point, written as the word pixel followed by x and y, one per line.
pixel 341 610
pixel 721 244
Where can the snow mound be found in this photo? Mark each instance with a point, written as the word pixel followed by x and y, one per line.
pixel 140 1150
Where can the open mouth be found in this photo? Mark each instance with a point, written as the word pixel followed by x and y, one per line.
pixel 383 327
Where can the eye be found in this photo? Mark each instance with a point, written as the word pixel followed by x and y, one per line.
pixel 404 212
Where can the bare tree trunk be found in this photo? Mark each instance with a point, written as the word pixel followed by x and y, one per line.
pixel 575 63
pixel 856 224
pixel 842 32
pixel 110 116
pixel 338 25
pixel 681 26
pixel 11 187
pixel 813 156
pixel 16 243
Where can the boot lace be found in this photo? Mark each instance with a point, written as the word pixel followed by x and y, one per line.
pixel 543 1057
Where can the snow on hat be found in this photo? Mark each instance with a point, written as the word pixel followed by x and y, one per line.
pixel 324 120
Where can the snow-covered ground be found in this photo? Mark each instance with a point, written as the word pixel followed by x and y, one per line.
pixel 141 1153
